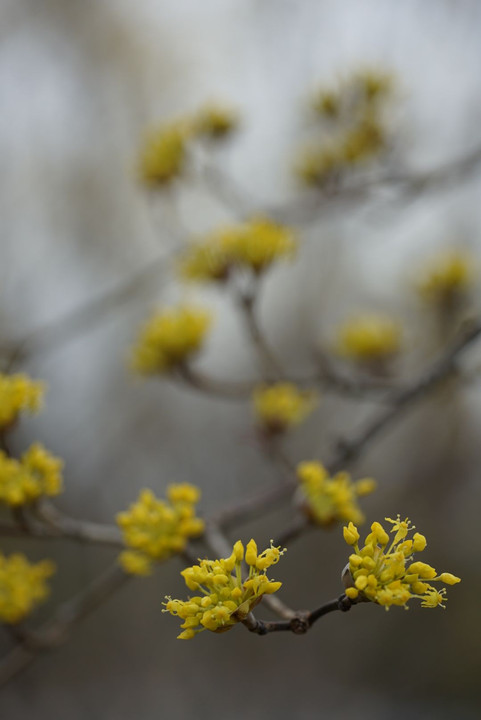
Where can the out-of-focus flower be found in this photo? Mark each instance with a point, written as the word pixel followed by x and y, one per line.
pixel 155 529
pixel 163 154
pixel 18 393
pixel 375 84
pixel 447 278
pixel 261 242
pixel 326 499
pixel 215 121
pixel 169 338
pixel 224 599
pixel 22 586
pixel 369 338
pixel 255 245
pixel 382 570
pixel 37 473
pixel 281 406
pixel 211 259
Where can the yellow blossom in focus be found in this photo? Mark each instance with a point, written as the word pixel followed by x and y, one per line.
pixel 382 570
pixel 18 393
pixel 170 337
pixel 156 529
pixel 331 499
pixel 163 154
pixel 369 338
pixel 22 586
pixel 447 277
pixel 224 597
pixel 37 473
pixel 281 406
pixel 215 121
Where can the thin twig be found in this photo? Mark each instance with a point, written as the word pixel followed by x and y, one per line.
pixel 313 205
pixel 349 449
pixel 60 331
pixel 301 622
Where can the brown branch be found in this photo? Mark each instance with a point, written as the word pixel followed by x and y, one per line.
pixel 308 209
pixel 349 449
pixel 301 622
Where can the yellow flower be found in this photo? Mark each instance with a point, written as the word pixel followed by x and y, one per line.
pixel 327 499
pixel 135 563
pixel 156 529
pixel 363 141
pixel 315 166
pixel 384 573
pixel 212 258
pixel 163 154
pixel 215 121
pixel 22 586
pixel 37 473
pixel 278 407
pixel 260 242
pixel 18 393
pixel 224 598
pixel 170 337
pixel 255 244
pixel 327 103
pixel 369 338
pixel 447 277
pixel 375 84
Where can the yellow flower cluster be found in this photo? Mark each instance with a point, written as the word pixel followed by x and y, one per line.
pixel 383 572
pixel 154 529
pixel 255 245
pixel 163 155
pixel 355 107
pixel 22 586
pixel 224 597
pixel 214 121
pixel 18 393
pixel 279 407
pixel 37 473
pixel 170 337
pixel 447 277
pixel 369 338
pixel 331 499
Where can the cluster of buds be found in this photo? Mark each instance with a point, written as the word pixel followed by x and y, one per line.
pixel 164 154
pixel 327 500
pixel 22 586
pixel 224 598
pixel 446 280
pixel 169 338
pixel 23 481
pixel 254 245
pixel 353 116
pixel 371 340
pixel 383 571
pixel 281 406
pixel 155 529
pixel 18 393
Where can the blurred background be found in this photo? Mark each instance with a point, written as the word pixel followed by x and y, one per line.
pixel 80 82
